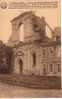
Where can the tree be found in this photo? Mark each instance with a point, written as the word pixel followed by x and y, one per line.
pixel 5 58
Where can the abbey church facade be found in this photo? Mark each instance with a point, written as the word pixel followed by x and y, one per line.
pixel 37 54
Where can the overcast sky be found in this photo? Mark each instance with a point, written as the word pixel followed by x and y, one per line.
pixel 52 17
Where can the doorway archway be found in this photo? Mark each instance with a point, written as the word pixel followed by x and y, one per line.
pixel 21 65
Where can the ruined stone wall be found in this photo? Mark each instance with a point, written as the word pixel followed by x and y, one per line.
pixel 45 59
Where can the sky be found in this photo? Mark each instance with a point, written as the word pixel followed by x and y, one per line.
pixel 52 16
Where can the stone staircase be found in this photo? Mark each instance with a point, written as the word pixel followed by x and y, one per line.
pixel 32 81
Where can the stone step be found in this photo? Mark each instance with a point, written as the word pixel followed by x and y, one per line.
pixel 31 81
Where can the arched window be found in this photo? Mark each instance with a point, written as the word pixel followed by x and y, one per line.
pixel 34 59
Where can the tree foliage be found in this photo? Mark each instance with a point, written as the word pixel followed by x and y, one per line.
pixel 5 58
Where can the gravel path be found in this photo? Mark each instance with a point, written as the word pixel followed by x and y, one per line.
pixel 9 91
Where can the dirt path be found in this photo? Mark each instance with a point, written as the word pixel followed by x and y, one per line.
pixel 8 91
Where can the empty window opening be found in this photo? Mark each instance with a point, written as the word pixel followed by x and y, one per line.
pixel 21 32
pixel 44 69
pixel 34 59
pixel 59 68
pixel 51 67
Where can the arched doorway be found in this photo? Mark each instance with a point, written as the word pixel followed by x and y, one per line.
pixel 21 65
